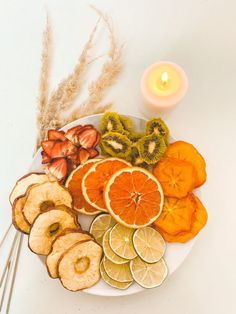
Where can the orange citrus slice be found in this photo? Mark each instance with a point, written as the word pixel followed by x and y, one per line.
pixel 177 177
pixel 198 222
pixel 134 197
pixel 176 215
pixel 96 178
pixel 73 183
pixel 185 151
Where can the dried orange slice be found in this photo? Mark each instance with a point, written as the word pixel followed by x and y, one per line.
pixel 73 183
pixel 134 197
pixel 185 151
pixel 96 178
pixel 177 177
pixel 199 221
pixel 176 215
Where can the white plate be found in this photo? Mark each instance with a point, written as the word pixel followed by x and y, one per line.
pixel 175 253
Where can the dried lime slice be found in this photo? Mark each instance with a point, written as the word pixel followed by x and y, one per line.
pixel 111 282
pixel 121 241
pixel 149 244
pixel 148 275
pixel 100 225
pixel 118 272
pixel 112 256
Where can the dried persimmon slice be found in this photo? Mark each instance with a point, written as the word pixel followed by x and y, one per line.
pixel 199 221
pixel 185 151
pixel 176 215
pixel 177 177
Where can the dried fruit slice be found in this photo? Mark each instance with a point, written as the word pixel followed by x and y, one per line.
pixel 72 134
pixel 158 127
pixel 177 177
pixel 58 168
pixel 73 183
pixel 148 275
pixel 151 148
pixel 134 197
pixel 199 220
pixel 18 218
pixel 47 226
pixel 127 123
pixel 116 144
pixel 55 135
pixel 93 153
pixel 100 225
pixel 118 272
pixel 109 253
pixel 78 267
pixel 87 137
pixel 149 244
pixel 185 151
pixel 23 183
pixel 111 282
pixel 62 243
pixel 58 149
pixel 40 197
pixel 110 122
pixel 136 160
pixel 83 155
pixel 176 215
pixel 95 179
pixel 47 146
pixel 45 158
pixel 121 241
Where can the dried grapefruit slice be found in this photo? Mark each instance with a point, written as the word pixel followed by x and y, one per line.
pixel 198 222
pixel 73 183
pixel 134 197
pixel 185 151
pixel 177 177
pixel 176 215
pixel 96 178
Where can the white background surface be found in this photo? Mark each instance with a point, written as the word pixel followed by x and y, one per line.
pixel 200 35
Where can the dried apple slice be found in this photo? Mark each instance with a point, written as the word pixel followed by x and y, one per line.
pixel 40 197
pixel 18 218
pixel 47 226
pixel 78 267
pixel 63 242
pixel 23 183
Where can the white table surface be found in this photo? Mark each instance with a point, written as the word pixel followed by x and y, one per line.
pixel 200 35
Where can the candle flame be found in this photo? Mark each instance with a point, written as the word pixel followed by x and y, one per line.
pixel 164 78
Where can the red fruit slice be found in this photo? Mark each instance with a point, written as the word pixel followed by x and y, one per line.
pixel 88 137
pixel 93 152
pixel 72 134
pixel 97 139
pixel 83 155
pixel 45 158
pixel 58 168
pixel 62 149
pixel 47 146
pixel 55 135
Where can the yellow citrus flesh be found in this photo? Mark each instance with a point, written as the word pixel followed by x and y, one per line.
pixel 109 253
pixel 118 272
pixel 148 275
pixel 121 241
pixel 100 225
pixel 149 244
pixel 111 282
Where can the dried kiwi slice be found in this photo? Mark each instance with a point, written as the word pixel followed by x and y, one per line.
pixel 136 160
pixel 110 122
pixel 127 123
pixel 135 136
pixel 151 148
pixel 116 144
pixel 158 127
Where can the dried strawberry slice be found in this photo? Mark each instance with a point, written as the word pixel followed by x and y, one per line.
pixel 72 134
pixel 58 168
pixel 87 137
pixel 62 149
pixel 93 153
pixel 97 139
pixel 83 155
pixel 45 158
pixel 48 146
pixel 56 135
